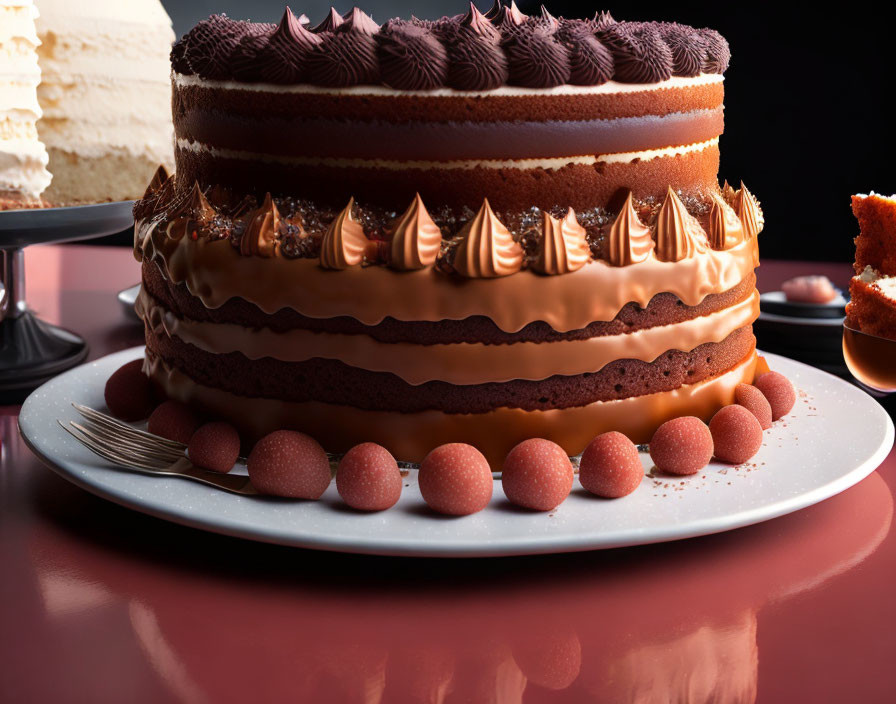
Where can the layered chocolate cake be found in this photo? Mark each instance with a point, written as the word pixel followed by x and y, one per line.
pixel 481 229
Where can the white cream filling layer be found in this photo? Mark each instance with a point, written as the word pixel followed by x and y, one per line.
pixel 607 88
pixel 23 167
pixel 546 164
pixel 885 284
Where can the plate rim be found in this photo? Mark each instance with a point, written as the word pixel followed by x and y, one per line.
pixel 510 545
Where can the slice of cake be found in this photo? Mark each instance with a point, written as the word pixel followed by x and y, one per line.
pixel 105 95
pixel 479 229
pixel 23 158
pixel 872 307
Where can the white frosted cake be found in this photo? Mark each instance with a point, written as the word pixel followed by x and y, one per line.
pixel 23 159
pixel 105 95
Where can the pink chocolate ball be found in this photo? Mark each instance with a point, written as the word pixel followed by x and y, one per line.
pixel 129 393
pixel 173 420
pixel 736 434
pixel 809 289
pixel 537 474
pixel 610 466
pixel 289 463
pixel 755 402
pixel 681 446
pixel 215 446
pixel 779 391
pixel 368 478
pixel 455 479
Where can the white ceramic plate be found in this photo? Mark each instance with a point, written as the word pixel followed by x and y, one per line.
pixel 835 437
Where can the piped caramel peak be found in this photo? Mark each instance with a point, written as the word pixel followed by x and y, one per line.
pixel 678 234
pixel 194 212
pixel 487 249
pixel 260 236
pixel 629 240
pixel 747 208
pixel 728 193
pixel 344 242
pixel 563 248
pixel 725 228
pixel 414 238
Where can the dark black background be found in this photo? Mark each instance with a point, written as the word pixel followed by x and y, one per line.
pixel 808 118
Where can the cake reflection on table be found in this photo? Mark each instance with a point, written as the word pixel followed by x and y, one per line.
pixel 433 632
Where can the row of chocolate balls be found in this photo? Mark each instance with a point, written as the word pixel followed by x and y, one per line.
pixel 455 478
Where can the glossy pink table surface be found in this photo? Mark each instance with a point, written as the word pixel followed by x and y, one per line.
pixel 100 604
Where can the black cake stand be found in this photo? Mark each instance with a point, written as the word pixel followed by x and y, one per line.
pixel 32 350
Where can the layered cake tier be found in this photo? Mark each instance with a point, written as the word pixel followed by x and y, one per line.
pixel 105 96
pixel 520 148
pixel 23 157
pixel 417 247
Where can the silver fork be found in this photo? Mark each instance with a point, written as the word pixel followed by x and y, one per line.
pixel 135 449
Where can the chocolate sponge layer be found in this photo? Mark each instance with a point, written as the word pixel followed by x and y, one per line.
pixel 332 381
pixel 663 309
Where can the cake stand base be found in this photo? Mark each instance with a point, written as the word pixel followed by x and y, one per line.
pixel 32 352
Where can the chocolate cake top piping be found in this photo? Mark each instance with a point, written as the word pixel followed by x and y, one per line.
pixel 474 51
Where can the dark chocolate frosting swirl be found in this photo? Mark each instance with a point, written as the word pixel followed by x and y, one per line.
pixel 687 45
pixel 546 19
pixel 475 62
pixel 717 55
pixel 535 58
pixel 509 16
pixel 284 58
pixel 344 59
pixel 244 60
pixel 590 62
pixel 602 20
pixel 474 51
pixel 358 21
pixel 208 46
pixel 639 52
pixel 476 22
pixel 329 23
pixel 410 57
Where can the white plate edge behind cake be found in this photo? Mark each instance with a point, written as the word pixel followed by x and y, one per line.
pixel 835 437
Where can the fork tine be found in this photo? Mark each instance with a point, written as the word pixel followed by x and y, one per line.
pixel 104 452
pixel 137 445
pixel 138 454
pixel 125 429
pixel 182 467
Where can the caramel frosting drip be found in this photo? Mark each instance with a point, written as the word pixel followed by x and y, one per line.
pixel 725 228
pixel 487 249
pixel 563 247
pixel 214 271
pixel 414 238
pixel 410 436
pixel 260 236
pixel 461 363
pixel 749 212
pixel 189 218
pixel 629 240
pixel 678 234
pixel 344 242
